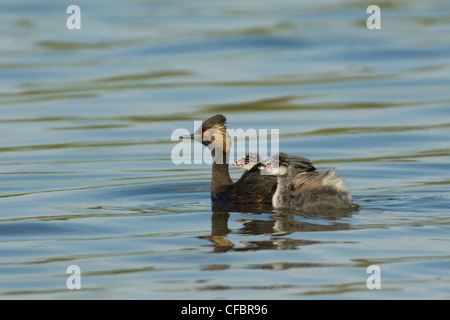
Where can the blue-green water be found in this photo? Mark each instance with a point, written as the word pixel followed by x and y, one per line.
pixel 86 176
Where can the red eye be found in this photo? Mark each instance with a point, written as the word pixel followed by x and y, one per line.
pixel 206 133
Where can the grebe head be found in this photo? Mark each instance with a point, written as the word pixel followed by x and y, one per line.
pixel 276 165
pixel 248 161
pixel 212 133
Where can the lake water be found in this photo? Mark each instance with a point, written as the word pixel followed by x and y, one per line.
pixel 86 176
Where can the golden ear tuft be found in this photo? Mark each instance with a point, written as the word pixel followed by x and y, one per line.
pixel 219 135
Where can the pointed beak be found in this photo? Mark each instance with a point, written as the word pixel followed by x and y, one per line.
pixel 239 163
pixel 187 137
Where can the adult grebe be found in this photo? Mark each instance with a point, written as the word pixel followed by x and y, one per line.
pixel 309 190
pixel 252 187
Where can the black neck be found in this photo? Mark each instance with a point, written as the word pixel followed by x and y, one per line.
pixel 220 174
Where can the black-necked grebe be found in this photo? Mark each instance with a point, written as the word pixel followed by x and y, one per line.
pixel 248 161
pixel 311 190
pixel 252 187
pixel 299 164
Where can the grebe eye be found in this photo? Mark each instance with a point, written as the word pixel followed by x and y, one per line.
pixel 206 133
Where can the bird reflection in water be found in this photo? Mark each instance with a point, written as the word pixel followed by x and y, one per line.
pixel 282 224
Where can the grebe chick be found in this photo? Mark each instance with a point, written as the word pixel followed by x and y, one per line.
pixel 309 190
pixel 299 164
pixel 252 187
pixel 248 161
